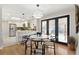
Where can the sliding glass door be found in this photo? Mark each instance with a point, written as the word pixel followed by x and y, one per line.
pixel 58 27
pixel 62 30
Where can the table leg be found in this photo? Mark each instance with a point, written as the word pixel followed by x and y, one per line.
pixel 35 44
pixel 25 47
pixel 41 41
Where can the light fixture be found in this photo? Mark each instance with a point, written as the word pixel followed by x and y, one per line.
pixel 38 13
pixel 23 16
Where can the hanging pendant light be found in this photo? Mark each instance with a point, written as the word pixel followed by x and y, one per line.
pixel 38 13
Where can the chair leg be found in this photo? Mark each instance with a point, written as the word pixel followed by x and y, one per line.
pixel 54 49
pixel 31 48
pixel 43 49
pixel 36 45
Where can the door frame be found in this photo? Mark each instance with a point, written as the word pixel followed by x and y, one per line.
pixel 68 27
pixel 56 26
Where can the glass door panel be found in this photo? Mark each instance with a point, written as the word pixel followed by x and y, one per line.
pixel 44 27
pixel 62 30
pixel 52 27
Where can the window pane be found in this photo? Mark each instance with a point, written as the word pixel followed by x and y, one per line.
pixel 44 27
pixel 52 27
pixel 62 30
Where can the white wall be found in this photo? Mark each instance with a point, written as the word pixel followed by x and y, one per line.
pixel 36 23
pixel 1 41
pixel 5 34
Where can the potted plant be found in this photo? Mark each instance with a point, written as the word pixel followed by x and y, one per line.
pixel 71 43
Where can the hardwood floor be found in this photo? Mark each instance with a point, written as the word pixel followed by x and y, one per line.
pixel 19 50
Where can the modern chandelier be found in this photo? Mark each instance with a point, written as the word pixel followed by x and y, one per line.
pixel 38 13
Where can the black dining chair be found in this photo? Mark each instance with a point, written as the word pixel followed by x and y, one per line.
pixel 40 51
pixel 25 40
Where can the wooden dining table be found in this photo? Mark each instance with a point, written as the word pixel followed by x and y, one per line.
pixel 37 39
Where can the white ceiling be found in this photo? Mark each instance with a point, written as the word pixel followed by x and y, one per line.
pixel 46 8
pixel 28 9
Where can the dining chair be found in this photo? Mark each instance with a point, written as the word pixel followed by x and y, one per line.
pixel 24 41
pixel 40 51
pixel 51 44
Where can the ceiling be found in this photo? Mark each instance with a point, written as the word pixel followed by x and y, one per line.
pixel 29 9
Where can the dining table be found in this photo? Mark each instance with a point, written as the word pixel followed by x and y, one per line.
pixel 36 39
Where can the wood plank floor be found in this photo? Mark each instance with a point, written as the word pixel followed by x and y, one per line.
pixel 19 50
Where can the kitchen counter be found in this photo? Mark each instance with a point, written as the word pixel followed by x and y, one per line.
pixel 21 33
